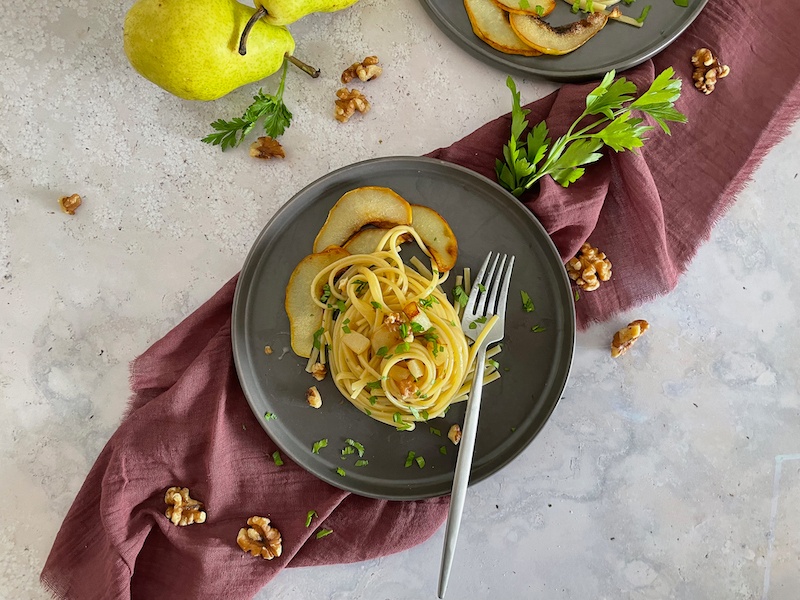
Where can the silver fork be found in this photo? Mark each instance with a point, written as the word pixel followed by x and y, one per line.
pixel 487 298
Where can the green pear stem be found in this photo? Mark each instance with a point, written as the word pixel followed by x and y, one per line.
pixel 261 12
pixel 308 69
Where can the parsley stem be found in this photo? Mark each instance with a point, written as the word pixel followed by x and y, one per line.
pixel 261 12
pixel 308 69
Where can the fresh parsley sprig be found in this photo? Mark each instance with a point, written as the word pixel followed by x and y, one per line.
pixel 613 102
pixel 276 115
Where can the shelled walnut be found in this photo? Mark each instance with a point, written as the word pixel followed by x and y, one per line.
pixel 626 337
pixel 183 509
pixel 69 204
pixel 589 268
pixel 266 147
pixel 707 70
pixel 365 70
pixel 349 101
pixel 260 539
pixel 313 397
pixel 318 371
pixel 454 434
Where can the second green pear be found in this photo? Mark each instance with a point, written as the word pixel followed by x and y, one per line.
pixel 190 47
pixel 283 12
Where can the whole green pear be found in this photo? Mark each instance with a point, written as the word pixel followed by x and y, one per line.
pixel 190 47
pixel 283 12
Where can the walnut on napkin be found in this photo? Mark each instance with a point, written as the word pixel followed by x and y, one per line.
pixel 589 268
pixel 626 337
pixel 707 70
pixel 183 509
pixel 260 539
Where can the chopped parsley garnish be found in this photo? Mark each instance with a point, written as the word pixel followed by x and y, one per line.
pixel 368 412
pixel 460 296
pixel 354 444
pixel 417 328
pixel 362 463
pixel 268 416
pixel 646 11
pixel 347 450
pixel 345 327
pixel 373 400
pixel 373 385
pixel 410 458
pixel 576 6
pixel 310 515
pixel 435 431
pixel 443 450
pixel 493 363
pixel 420 461
pixel 340 472
pixel 539 10
pixel 360 285
pixel 276 457
pixel 577 295
pixel 323 532
pixel 537 328
pixel 428 302
pixel 527 303
pixel 317 334
pixel 403 330
pixel 403 347
pixel 482 288
pixel 326 294
pixel 319 445
pixel 382 351
pixel 681 3
pixel 376 305
pixel 431 336
pixel 424 412
pixel 524 4
pixel 340 306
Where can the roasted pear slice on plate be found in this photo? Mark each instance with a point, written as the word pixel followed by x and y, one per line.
pixel 558 40
pixel 369 205
pixel 437 236
pixel 490 24
pixel 304 315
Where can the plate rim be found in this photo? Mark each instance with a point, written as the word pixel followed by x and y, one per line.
pixel 238 311
pixel 487 57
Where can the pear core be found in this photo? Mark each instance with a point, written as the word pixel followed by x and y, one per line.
pixel 190 49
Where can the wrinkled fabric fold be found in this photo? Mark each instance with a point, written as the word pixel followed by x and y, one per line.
pixel 189 424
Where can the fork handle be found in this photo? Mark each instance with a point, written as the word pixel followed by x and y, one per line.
pixel 463 468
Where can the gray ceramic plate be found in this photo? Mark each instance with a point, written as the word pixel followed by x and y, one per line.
pixel 534 366
pixel 618 46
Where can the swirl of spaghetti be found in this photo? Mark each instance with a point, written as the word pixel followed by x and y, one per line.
pixel 395 345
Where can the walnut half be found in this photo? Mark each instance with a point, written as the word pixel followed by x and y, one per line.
pixel 589 268
pixel 69 204
pixel 260 539
pixel 313 397
pixel 266 147
pixel 183 509
pixel 626 337
pixel 707 70
pixel 349 101
pixel 365 70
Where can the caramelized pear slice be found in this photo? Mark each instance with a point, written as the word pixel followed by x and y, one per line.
pixel 305 316
pixel 359 207
pixel 559 40
pixel 527 7
pixel 490 24
pixel 437 236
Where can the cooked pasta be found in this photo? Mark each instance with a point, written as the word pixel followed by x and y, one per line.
pixel 392 339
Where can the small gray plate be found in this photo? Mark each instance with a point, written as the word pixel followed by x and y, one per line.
pixel 534 365
pixel 618 46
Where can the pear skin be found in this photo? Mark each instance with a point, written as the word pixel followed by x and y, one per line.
pixel 284 12
pixel 190 48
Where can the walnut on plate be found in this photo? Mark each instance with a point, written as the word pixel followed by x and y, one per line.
pixel 69 204
pixel 626 337
pixel 365 70
pixel 349 101
pixel 318 371
pixel 183 509
pixel 260 539
pixel 313 397
pixel 589 268
pixel 707 70
pixel 454 434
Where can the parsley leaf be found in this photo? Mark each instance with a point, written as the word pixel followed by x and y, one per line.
pixel 323 532
pixel 613 102
pixel 310 515
pixel 277 117
pixel 276 458
pixel 460 296
pixel 420 461
pixel 410 458
pixel 319 445
pixel 527 303
pixel 317 334
pixel 268 416
pixel 354 444
pixel 376 305
pixel 362 463
pixel 340 472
